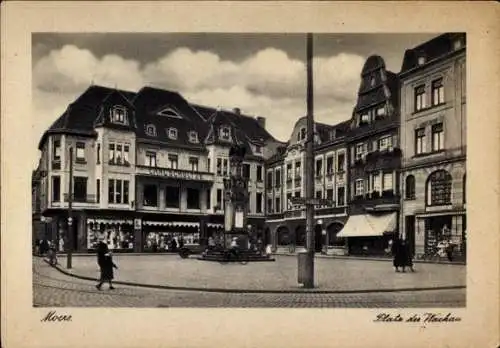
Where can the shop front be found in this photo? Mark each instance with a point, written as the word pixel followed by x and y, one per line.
pixel 118 234
pixel 169 236
pixel 369 234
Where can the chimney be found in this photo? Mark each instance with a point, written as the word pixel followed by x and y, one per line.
pixel 237 111
pixel 261 121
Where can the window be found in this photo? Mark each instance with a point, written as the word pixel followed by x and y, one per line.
pixel 118 191
pixel 246 170
pixel 56 150
pixel 439 188
pixel 381 111
pixel 269 183
pixel 277 207
pixel 278 178
pixel 420 98
pixel 56 189
pixel 209 198
pixel 364 119
pixel 172 197
pixel 80 189
pixel 297 170
pixel 98 190
pixel 319 194
pixel 193 198
pixel 219 166
pixel 259 202
pixel 112 153
pixel 360 187
pixel 125 191
pixel 125 154
pixel 172 133
pixel 319 167
pixel 297 194
pixel 340 162
pixel 225 167
pixel 98 153
pixel 119 115
pixel 258 149
pixel 151 130
pixel 209 165
pixel 420 141
pixel 288 200
pixel 340 196
pixel 118 154
pixel 193 137
pixel 289 171
pixel 269 205
pixel 437 92
pixel 385 143
pixel 410 187
pixel 376 182
pixel 193 163
pixel 329 165
pixel 150 196
pixel 329 194
pixel 225 133
pixel 360 151
pixel 173 161
pixel 111 191
pixel 219 198
pixel 387 182
pixel 437 137
pixel 80 152
pixel 421 60
pixel 151 158
pixel 259 173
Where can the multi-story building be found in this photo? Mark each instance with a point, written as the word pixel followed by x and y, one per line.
pixel 374 157
pixel 285 173
pixel 433 137
pixel 148 166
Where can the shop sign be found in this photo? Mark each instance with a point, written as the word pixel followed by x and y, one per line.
pixel 137 224
pixel 175 174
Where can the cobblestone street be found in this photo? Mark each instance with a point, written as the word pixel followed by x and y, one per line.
pixel 51 288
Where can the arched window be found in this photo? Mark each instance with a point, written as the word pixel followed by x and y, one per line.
pixel 410 187
pixel 438 188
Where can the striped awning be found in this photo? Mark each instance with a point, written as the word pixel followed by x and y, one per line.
pixel 171 223
pixel 365 225
pixel 111 221
pixel 210 224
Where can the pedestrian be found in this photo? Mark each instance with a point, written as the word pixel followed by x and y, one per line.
pixel 106 265
pixel 398 255
pixel 407 256
pixel 449 250
pixel 181 242
pixel 211 243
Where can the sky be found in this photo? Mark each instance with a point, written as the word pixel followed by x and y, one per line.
pixel 262 74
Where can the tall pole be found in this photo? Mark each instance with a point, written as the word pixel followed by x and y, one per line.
pixel 70 212
pixel 309 182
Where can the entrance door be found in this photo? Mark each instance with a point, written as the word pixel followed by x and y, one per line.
pixel 410 232
pixel 318 239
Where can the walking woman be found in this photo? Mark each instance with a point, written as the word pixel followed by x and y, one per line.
pixel 106 265
pixel 398 254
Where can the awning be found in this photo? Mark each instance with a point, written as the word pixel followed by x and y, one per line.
pixel 110 221
pixel 209 224
pixel 368 225
pixel 171 223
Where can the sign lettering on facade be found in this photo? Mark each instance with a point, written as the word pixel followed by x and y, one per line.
pixel 175 174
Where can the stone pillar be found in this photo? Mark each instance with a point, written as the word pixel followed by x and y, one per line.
pixel 419 236
pixel 457 231
pixel 81 232
pixel 138 238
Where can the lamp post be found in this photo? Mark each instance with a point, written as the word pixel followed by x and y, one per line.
pixel 70 212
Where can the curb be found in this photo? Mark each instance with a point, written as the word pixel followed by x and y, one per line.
pixel 249 291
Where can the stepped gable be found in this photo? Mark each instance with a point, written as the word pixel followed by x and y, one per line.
pixel 80 115
pixel 430 50
pixel 166 109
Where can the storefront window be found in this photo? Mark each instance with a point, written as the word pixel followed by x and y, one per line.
pixel 150 196
pixel 117 237
pixel 161 241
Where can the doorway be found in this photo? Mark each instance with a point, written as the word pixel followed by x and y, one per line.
pixel 410 232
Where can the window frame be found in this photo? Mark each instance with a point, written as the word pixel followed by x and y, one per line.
pixel 150 156
pixel 80 152
pixel 410 193
pixel 359 187
pixel 150 130
pixel 420 138
pixel 420 102
pixel 437 85
pixel 431 199
pixel 439 144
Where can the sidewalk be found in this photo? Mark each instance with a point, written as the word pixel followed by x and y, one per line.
pixel 167 271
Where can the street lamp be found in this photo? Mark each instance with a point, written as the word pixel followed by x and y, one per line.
pixel 70 212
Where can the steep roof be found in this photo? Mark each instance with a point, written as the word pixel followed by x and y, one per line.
pixel 435 48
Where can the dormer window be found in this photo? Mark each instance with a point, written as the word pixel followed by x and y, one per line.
pixel 172 133
pixel 258 149
pixel 302 134
pixel 333 134
pixel 364 119
pixel 119 115
pixel 457 44
pixel 151 130
pixel 169 112
pixel 380 112
pixel 421 60
pixel 225 133
pixel 193 137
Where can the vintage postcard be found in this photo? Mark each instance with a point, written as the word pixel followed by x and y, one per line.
pixel 249 174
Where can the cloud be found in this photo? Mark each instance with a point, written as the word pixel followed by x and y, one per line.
pixel 268 83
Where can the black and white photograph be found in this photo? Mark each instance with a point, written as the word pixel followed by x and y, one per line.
pixel 249 170
pixel 249 174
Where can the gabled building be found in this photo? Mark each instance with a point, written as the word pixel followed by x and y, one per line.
pixel 148 167
pixel 434 142
pixel 285 172
pixel 374 157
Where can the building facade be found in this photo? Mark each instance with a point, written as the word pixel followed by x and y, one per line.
pixel 147 167
pixel 434 141
pixel 285 174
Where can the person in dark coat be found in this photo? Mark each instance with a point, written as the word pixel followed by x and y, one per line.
pixel 398 254
pixel 106 265
pixel 407 256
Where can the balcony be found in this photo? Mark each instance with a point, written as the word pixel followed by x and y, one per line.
pixel 275 216
pixel 377 201
pixel 81 198
pixel 294 214
pixel 169 173
pixel 329 210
